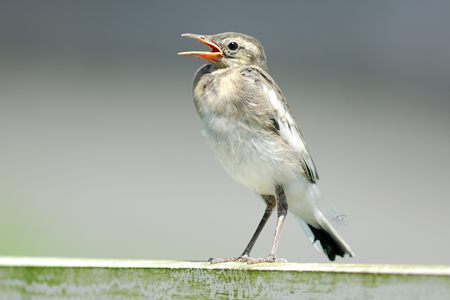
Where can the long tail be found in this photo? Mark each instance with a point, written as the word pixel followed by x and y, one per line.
pixel 302 198
pixel 326 239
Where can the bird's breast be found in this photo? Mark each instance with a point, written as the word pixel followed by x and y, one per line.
pixel 218 93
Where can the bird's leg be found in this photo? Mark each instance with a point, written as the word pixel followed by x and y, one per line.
pixel 270 204
pixel 282 208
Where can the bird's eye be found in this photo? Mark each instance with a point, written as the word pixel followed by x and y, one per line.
pixel 233 46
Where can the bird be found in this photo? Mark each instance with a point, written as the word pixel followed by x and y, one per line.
pixel 250 127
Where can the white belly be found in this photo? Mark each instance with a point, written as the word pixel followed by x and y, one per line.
pixel 251 158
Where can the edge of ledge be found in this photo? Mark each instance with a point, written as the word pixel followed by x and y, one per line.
pixel 386 269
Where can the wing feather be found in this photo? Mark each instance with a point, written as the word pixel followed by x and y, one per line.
pixel 281 117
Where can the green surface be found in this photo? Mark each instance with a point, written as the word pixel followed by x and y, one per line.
pixel 47 278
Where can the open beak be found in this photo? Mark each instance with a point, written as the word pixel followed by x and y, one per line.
pixel 215 54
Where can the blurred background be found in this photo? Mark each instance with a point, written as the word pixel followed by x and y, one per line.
pixel 101 153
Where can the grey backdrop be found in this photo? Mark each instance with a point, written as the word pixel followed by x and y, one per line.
pixel 101 153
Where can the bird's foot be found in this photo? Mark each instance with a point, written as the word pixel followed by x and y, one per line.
pixel 248 260
pixel 242 258
pixel 268 259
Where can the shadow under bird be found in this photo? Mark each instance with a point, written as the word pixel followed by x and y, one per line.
pixel 250 127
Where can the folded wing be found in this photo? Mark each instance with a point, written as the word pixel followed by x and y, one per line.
pixel 281 116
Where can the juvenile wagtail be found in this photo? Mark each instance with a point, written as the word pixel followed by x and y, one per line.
pixel 250 127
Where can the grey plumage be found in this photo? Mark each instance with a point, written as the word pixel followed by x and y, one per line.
pixel 250 127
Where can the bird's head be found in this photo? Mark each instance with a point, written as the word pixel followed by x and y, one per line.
pixel 229 49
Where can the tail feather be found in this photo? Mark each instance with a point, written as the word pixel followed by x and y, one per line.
pixel 302 199
pixel 326 239
pixel 329 246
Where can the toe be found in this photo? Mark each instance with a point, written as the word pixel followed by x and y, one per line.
pixel 219 260
pixel 267 259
